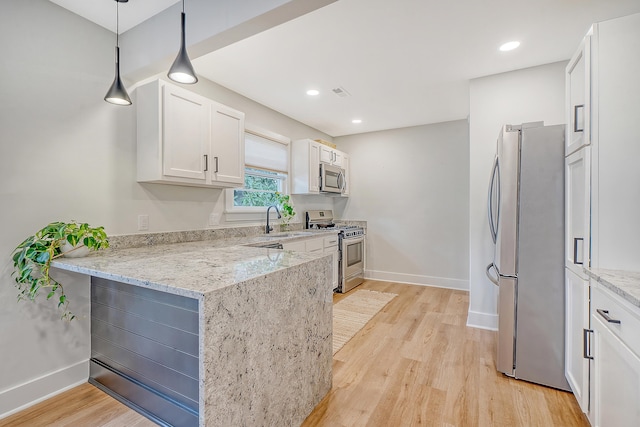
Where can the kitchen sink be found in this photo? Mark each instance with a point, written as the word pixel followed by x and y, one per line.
pixel 272 240
pixel 289 234
pixel 269 245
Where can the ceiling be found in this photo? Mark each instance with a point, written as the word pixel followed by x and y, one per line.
pixel 103 12
pixel 402 62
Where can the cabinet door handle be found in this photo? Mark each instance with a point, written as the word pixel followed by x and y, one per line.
pixel 206 162
pixel 585 339
pixel 578 118
pixel 575 250
pixel 605 315
pixel 216 159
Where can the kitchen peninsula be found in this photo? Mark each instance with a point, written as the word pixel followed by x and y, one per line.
pixel 210 332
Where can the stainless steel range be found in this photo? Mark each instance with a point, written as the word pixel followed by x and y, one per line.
pixel 350 244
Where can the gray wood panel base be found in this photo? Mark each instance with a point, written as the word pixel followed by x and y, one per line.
pixel 144 350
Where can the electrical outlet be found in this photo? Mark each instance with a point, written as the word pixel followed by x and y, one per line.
pixel 214 219
pixel 143 222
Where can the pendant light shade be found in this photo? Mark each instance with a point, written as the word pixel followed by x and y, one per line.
pixel 117 94
pixel 182 71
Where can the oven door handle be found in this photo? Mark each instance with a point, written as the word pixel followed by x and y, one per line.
pixel 352 240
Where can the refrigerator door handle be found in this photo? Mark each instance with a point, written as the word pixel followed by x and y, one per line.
pixel 495 172
pixel 494 280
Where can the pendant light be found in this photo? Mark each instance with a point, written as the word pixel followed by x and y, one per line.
pixel 182 71
pixel 117 93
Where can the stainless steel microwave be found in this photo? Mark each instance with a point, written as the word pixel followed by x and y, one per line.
pixel 332 179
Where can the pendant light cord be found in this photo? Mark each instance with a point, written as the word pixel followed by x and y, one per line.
pixel 117 24
pixel 117 93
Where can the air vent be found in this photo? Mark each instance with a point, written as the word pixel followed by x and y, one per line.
pixel 341 92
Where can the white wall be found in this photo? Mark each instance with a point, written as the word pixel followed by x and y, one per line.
pixel 211 25
pixel 167 213
pixel 412 186
pixel 533 94
pixel 66 154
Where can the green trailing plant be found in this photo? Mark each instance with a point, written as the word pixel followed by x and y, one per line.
pixel 286 209
pixel 32 259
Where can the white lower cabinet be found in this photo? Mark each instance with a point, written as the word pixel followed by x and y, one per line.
pixel 331 245
pixel 326 244
pixel 314 245
pixel 616 349
pixel 577 337
pixel 298 246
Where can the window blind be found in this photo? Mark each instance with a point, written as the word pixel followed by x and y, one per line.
pixel 265 153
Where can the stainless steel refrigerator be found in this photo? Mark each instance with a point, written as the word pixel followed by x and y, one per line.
pixel 526 221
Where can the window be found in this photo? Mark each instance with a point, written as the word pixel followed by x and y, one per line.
pixel 266 172
pixel 260 187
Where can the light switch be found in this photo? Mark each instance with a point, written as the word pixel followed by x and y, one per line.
pixel 143 222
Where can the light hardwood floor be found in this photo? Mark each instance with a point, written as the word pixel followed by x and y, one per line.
pixel 82 406
pixel 417 364
pixel 414 364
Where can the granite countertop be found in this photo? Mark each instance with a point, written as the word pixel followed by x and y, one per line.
pixel 192 268
pixel 624 283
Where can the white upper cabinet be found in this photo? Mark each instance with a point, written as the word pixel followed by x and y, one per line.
pixel 326 154
pixel 306 157
pixel 305 167
pixel 338 158
pixel 227 145
pixel 346 165
pixel 186 139
pixel 602 108
pixel 615 171
pixel 578 87
pixel 186 134
pixel 331 156
pixel 577 210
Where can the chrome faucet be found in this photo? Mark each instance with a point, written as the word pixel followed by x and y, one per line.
pixel 267 228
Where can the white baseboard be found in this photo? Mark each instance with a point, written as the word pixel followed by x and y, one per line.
pixel 479 320
pixel 22 396
pixel 474 319
pixel 416 279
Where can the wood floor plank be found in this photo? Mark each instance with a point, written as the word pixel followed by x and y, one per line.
pixel 84 405
pixel 414 364
pixel 438 372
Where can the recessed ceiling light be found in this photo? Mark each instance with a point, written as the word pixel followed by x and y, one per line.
pixel 356 121
pixel 313 92
pixel 509 46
